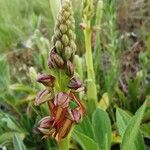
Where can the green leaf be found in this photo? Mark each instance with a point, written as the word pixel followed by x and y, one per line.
pixel 85 127
pixel 73 104
pixel 64 145
pixel 3 148
pixel 145 128
pixel 99 13
pixel 8 136
pixel 123 119
pixel 132 129
pixel 18 144
pixel 4 73
pixel 11 124
pixel 21 87
pixel 55 7
pixel 85 142
pixel 102 129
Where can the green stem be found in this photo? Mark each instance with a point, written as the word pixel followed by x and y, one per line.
pixel 47 144
pixel 64 145
pixel 91 87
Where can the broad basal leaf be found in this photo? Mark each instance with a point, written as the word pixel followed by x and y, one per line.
pixel 86 127
pixel 123 119
pixel 85 142
pixel 131 132
pixel 102 129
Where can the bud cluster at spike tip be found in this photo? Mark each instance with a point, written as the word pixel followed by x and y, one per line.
pixel 87 10
pixel 65 107
pixel 63 40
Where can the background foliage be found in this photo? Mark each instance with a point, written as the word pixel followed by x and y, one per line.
pixel 121 56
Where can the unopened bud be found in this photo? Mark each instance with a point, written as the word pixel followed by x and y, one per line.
pixel 72 19
pixel 47 80
pixel 73 45
pixel 72 26
pixel 70 68
pixel 58 33
pixel 57 60
pixel 66 14
pixel 63 28
pixel 68 23
pixel 71 34
pixel 46 122
pixel 68 52
pixel 59 46
pixel 54 40
pixel 50 63
pixel 75 83
pixel 65 39
pixel 82 26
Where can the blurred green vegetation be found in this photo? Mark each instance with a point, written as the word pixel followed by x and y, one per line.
pixel 121 55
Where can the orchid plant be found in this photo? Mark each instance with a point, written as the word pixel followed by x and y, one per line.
pixel 57 117
pixel 62 85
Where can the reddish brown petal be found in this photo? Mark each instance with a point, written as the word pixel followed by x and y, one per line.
pixel 64 130
pixel 50 106
pixel 58 115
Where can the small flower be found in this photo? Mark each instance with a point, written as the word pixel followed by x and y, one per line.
pixel 43 96
pixel 46 122
pixel 61 103
pixel 75 83
pixel 45 127
pixel 65 108
pixel 75 115
pixel 47 80
pixel 62 117
pixel 62 99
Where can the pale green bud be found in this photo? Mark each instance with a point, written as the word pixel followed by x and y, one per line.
pixel 66 15
pixel 63 28
pixel 73 45
pixel 65 39
pixel 54 39
pixel 72 19
pixel 71 34
pixel 72 26
pixel 58 33
pixel 59 46
pixel 68 52
pixel 68 23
